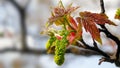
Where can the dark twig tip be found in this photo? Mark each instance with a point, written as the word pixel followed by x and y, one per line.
pixel 102 6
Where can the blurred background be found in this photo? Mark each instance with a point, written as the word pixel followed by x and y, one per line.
pixel 36 14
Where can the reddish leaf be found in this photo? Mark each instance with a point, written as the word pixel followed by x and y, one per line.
pixel 91 27
pixel 77 35
pixel 59 13
pixel 97 18
pixel 72 22
pixel 79 30
pixel 71 37
pixel 58 36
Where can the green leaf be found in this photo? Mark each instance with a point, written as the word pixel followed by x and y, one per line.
pixel 118 12
pixel 117 15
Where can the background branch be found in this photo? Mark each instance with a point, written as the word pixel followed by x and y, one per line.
pixel 22 13
pixel 71 50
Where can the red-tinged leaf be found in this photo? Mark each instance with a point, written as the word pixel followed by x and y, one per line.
pixel 79 30
pixel 59 13
pixel 72 22
pixel 58 36
pixel 68 27
pixel 71 9
pixel 77 35
pixel 71 37
pixel 90 26
pixel 97 18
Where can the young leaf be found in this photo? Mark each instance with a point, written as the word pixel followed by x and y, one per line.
pixel 117 15
pixel 77 32
pixel 72 22
pixel 57 16
pixel 58 36
pixel 100 19
pixel 91 27
pixel 71 37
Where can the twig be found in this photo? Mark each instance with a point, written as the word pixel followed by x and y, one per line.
pixel 103 59
pixel 102 6
pixel 95 49
pixel 95 44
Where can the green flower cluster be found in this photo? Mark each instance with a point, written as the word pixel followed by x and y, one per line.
pixel 60 46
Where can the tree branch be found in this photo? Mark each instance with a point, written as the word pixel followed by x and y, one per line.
pixel 72 50
pixel 95 49
pixel 22 14
pixel 109 35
